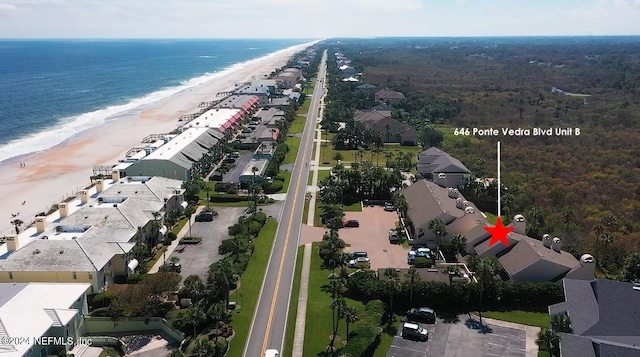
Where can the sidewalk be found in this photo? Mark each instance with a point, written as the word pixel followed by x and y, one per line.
pixel 301 317
pixel 531 333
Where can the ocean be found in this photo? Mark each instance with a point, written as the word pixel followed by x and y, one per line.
pixel 51 90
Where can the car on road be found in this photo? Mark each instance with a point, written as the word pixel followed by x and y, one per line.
pixel 393 236
pixel 422 314
pixel 359 261
pixel 351 223
pixel 388 206
pixel 412 331
pixel 271 353
pixel 205 216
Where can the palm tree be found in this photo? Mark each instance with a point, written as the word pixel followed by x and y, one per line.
pixel 217 312
pixel 438 228
pixel 400 203
pixel 195 288
pixel 459 242
pixel 338 157
pixel 388 155
pixel 549 341
pixel 412 278
pixel 391 287
pixel 561 322
pixel 16 224
pixel 201 347
pixel 194 317
pixel 350 315
pixel 486 269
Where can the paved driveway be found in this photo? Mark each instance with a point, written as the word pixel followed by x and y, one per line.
pixel 373 237
pixel 241 163
pixel 196 258
pixel 462 337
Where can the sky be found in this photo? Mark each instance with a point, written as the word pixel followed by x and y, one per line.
pixel 314 19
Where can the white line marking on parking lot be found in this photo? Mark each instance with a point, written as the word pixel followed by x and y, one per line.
pixel 405 348
pixel 505 346
pixel 507 337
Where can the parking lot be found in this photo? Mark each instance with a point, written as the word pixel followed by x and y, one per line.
pixel 462 337
pixel 196 258
pixel 373 237
pixel 241 163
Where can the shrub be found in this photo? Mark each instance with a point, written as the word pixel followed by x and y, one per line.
pixel 159 246
pixel 278 178
pixel 235 229
pixel 260 217
pixel 101 312
pixel 226 246
pixel 423 262
pixel 274 187
pixel 103 299
pixel 190 240
pixel 366 332
pixel 254 228
pixel 135 278
pixel 221 187
pixel 229 198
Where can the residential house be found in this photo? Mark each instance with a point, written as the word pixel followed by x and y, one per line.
pixel 523 259
pixel 441 168
pixel 289 77
pixel 347 71
pixel 366 88
pixel 254 171
pixel 604 318
pixel 389 96
pixel 39 319
pixel 261 92
pixel 391 130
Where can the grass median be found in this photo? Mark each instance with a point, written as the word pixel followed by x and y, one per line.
pixel 529 318
pixel 250 285
pixel 294 146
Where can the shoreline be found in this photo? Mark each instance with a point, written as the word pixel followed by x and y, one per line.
pixel 60 171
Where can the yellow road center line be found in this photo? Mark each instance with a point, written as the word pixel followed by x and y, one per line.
pixel 284 253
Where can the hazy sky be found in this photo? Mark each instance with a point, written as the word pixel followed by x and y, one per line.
pixel 314 18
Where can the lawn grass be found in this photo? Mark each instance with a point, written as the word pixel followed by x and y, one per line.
pixel 317 335
pixel 305 213
pixel 322 174
pixel 492 218
pixel 297 126
pixel 316 217
pixel 450 140
pixel 250 285
pixel 386 339
pixel 538 319
pixel 294 145
pixel 178 227
pixel 287 178
pixel 304 108
pixel 327 153
pixel 293 306
pixel 356 207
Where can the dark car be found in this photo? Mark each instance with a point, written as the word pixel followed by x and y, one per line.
pixel 422 314
pixel 204 217
pixel 351 223
pixel 388 206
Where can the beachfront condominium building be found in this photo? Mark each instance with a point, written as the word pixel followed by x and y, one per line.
pixel 41 319
pixel 289 77
pixel 91 239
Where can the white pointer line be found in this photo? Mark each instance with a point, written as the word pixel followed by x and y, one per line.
pixel 499 183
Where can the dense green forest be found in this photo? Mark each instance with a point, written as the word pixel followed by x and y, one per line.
pixel 584 189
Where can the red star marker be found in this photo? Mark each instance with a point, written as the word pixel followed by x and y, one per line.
pixel 498 233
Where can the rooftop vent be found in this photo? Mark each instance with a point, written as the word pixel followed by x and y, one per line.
pixel 61 251
pixel 37 251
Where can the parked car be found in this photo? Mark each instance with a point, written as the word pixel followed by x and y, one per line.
pixel 388 206
pixel 393 236
pixel 354 263
pixel 204 217
pixel 351 223
pixel 175 267
pixel 355 255
pixel 414 332
pixel 234 155
pixel 247 131
pixel 420 252
pixel 422 314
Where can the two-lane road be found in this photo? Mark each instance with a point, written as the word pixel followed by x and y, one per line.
pixel 270 319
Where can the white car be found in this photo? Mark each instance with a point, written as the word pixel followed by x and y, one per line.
pixel 354 263
pixel 271 353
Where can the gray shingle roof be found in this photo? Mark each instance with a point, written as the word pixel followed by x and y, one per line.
pixel 434 160
pixel 604 311
pixel 427 201
pixel 576 346
pixel 528 251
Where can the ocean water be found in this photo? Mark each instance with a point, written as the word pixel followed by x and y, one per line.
pixel 52 90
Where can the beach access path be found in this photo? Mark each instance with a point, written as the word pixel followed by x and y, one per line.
pixel 50 176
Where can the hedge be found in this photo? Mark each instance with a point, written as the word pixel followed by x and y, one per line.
pixel 190 240
pixel 274 187
pixel 260 217
pixel 229 198
pixel 366 331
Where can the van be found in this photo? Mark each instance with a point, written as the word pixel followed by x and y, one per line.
pixel 414 332
pixel 271 353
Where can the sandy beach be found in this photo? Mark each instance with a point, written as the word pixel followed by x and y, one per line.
pixel 50 176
